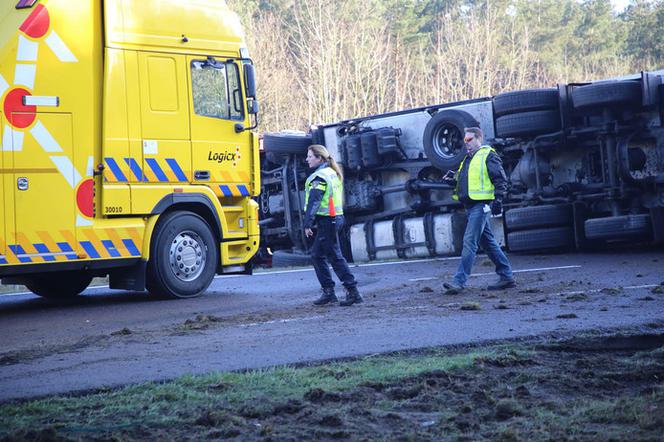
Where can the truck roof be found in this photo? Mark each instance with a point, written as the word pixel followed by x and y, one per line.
pixel 208 26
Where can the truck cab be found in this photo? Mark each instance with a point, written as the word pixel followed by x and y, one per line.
pixel 127 145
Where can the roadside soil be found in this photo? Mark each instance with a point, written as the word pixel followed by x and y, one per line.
pixel 594 387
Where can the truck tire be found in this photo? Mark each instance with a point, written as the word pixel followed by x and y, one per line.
pixel 183 256
pixel 287 143
pixel 58 285
pixel 607 94
pixel 528 124
pixel 618 227
pixel 538 216
pixel 287 258
pixel 525 101
pixel 443 138
pixel 540 239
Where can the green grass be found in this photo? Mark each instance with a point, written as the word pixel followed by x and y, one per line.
pixel 179 402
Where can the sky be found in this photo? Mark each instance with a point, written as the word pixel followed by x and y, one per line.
pixel 619 5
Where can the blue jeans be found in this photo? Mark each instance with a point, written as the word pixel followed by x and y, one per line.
pixel 478 231
pixel 326 248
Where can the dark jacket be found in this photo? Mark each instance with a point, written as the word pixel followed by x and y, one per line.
pixel 494 166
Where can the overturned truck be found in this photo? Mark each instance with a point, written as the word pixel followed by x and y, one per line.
pixel 585 163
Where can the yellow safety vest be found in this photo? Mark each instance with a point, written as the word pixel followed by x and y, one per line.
pixel 332 203
pixel 480 187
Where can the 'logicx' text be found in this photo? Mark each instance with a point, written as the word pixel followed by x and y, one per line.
pixel 220 157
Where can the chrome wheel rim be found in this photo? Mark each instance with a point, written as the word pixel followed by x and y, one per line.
pixel 187 255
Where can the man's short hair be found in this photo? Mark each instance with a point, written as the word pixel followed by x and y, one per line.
pixel 475 131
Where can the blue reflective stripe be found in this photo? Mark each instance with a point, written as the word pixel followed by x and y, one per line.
pixel 175 167
pixel 65 247
pixel 3 260
pixel 90 249
pixel 41 248
pixel 161 176
pixel 129 244
pixel 18 250
pixel 226 190
pixel 136 169
pixel 115 169
pixel 111 248
pixel 243 190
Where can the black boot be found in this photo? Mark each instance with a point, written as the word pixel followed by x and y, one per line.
pixel 352 297
pixel 326 296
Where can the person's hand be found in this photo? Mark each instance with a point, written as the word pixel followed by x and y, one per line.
pixel 308 233
pixel 496 207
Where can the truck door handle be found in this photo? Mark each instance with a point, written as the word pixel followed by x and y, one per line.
pixel 202 175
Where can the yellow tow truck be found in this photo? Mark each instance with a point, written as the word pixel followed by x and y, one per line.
pixel 127 145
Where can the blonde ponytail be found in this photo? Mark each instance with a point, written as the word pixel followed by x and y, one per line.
pixel 321 152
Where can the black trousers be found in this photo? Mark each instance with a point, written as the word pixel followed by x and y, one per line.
pixel 326 249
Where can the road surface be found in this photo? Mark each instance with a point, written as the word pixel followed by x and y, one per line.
pixel 110 338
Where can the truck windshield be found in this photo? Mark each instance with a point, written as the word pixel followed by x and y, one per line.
pixel 216 90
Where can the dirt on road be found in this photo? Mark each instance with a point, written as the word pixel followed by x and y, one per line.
pixel 109 339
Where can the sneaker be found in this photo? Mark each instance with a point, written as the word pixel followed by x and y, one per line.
pixel 502 284
pixel 451 288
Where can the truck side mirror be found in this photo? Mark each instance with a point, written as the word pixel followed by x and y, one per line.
pixel 250 80
pixel 253 107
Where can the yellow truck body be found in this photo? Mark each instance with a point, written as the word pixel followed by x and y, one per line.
pixel 126 145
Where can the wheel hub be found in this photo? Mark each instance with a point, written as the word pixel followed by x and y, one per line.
pixel 187 256
pixel 447 141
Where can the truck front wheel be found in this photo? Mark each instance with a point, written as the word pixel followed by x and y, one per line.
pixel 183 257
pixel 58 285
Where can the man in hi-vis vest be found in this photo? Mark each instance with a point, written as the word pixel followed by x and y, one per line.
pixel 480 185
pixel 324 214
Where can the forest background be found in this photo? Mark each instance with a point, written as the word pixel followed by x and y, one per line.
pixel 320 61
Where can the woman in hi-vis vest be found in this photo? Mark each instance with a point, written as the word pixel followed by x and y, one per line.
pixel 323 203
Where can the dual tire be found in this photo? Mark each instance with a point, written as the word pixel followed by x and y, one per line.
pixel 527 113
pixel 538 228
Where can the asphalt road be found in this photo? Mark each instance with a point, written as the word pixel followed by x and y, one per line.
pixel 110 338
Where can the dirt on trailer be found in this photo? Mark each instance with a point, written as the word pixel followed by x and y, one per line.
pixel 608 387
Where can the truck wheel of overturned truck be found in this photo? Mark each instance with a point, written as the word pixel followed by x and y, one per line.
pixel 443 138
pixel 287 143
pixel 607 93
pixel 619 227
pixel 538 216
pixel 525 101
pixel 183 256
pixel 528 124
pixel 58 285
pixel 556 238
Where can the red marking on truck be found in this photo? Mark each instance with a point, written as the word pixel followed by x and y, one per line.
pixel 19 115
pixel 37 23
pixel 84 198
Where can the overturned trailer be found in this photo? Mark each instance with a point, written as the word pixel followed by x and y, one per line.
pixel 585 163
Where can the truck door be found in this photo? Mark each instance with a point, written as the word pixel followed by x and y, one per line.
pixel 221 157
pixel 44 183
pixel 164 120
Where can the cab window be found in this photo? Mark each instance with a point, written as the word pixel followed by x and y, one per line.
pixel 216 89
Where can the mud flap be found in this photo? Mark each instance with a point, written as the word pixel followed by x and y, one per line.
pixel 128 278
